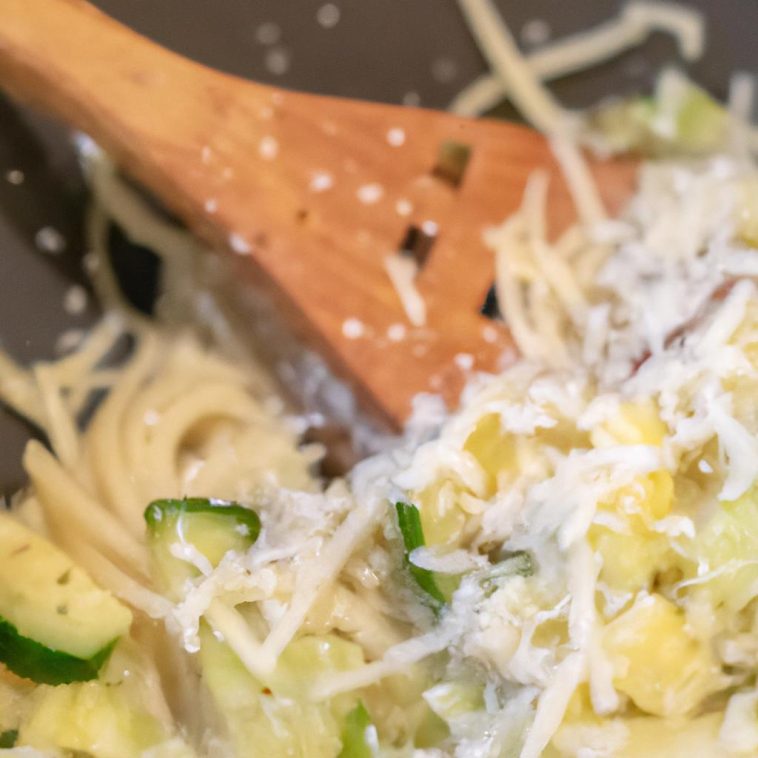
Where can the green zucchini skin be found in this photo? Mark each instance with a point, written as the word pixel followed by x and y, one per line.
pixel 211 527
pixel 30 659
pixel 56 625
pixel 409 522
pixel 354 744
pixel 160 511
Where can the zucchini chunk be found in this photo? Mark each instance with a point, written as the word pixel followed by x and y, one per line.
pixel 409 521
pixel 210 528
pixel 356 734
pixel 90 718
pixel 279 720
pixel 56 625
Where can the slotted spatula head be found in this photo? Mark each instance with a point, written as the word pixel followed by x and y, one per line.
pixel 313 193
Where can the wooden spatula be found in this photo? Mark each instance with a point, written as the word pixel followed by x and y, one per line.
pixel 313 192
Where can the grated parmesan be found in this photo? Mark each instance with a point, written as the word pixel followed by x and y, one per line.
pixel 402 271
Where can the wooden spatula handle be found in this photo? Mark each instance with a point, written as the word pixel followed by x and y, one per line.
pixel 237 162
pixel 95 74
pixel 311 193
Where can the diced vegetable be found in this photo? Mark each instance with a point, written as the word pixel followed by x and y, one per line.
pixel 461 706
pixel 357 734
pixel 634 424
pixel 700 121
pixel 120 715
pixel 311 656
pixel 442 518
pixel 450 700
pixel 56 625
pixel 680 118
pixel 661 738
pixel 494 451
pixel 278 719
pixel 96 718
pixel 640 736
pixel 625 124
pixel 214 527
pixel 631 560
pixel 409 521
pixel 516 564
pixel 633 552
pixel 208 528
pixel 42 664
pixel 728 545
pixel 663 668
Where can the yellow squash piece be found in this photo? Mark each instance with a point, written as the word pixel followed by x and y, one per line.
pixel 657 662
pixel 635 424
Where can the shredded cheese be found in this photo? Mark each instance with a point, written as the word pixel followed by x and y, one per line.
pixel 586 49
pixel 402 271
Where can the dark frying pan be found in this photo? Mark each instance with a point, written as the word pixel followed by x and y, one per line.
pixel 413 51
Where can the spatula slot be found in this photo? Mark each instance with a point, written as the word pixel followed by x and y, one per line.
pixel 490 307
pixel 452 160
pixel 417 244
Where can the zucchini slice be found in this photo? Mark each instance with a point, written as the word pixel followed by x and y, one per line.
pixel 280 720
pixel 90 718
pixel 56 625
pixel 199 525
pixel 356 734
pixel 409 521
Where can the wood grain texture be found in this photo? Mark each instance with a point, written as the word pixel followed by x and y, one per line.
pixel 237 160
